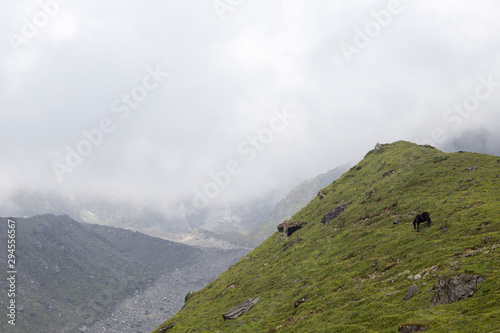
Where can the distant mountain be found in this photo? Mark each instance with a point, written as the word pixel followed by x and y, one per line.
pixel 146 218
pixel 214 226
pixel 294 201
pixel 352 260
pixel 71 274
pixel 232 218
pixel 122 214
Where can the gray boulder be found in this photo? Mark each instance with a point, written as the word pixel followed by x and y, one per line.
pixel 331 215
pixel 449 290
pixel 412 291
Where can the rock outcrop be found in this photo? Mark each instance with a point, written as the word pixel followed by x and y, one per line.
pixel 288 228
pixel 331 215
pixel 449 290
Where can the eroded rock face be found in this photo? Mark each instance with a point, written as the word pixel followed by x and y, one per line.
pixel 330 216
pixel 449 290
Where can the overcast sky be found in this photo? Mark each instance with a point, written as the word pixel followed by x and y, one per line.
pixel 155 96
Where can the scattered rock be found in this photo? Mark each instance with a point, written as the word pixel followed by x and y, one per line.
pixel 404 272
pixel 388 173
pixel 231 286
pixel 188 296
pixel 449 290
pixel 417 277
pixel 252 280
pixel 378 146
pixel 373 194
pixel 495 246
pixel 472 253
pixel 241 309
pixel 330 216
pixel 300 301
pixel 412 328
pixel 410 278
pixel 412 291
pixel 298 239
pixel 473 168
pixel 453 264
pixel 397 221
pixel 321 195
pixel 83 329
pixel 486 239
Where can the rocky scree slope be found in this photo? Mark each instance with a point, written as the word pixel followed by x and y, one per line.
pixel 71 274
pixel 368 270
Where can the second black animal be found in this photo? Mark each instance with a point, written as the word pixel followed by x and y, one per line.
pixel 421 218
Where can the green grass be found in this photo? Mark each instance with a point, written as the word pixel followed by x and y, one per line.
pixel 355 270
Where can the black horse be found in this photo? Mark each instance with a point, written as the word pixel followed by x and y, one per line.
pixel 424 217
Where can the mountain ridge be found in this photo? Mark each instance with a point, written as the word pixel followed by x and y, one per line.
pixel 294 201
pixel 352 274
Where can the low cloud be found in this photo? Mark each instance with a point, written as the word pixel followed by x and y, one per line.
pixel 225 80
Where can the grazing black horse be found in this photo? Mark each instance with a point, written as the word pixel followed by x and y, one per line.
pixel 424 217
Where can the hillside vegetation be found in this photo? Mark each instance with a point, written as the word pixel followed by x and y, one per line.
pixel 352 275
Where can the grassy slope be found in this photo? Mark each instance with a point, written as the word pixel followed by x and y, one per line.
pixel 355 270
